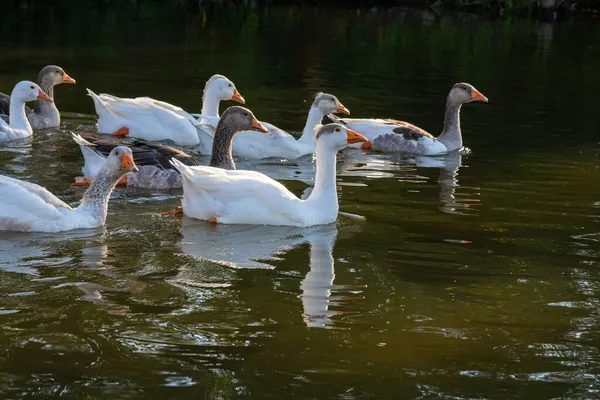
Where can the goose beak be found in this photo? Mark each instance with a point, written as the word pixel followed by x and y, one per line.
pixel 127 163
pixel 257 126
pixel 68 79
pixel 342 110
pixel 477 96
pixel 238 97
pixel 43 96
pixel 355 137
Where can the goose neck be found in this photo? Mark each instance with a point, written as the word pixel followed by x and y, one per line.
pixel 325 186
pixel 451 136
pixel 95 199
pixel 315 116
pixel 42 106
pixel 222 150
pixel 18 118
pixel 210 103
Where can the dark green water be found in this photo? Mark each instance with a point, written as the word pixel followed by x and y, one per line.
pixel 467 277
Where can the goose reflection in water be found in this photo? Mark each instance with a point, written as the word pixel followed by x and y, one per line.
pixel 248 246
pixel 452 202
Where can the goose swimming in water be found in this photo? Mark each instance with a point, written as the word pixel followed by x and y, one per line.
pixel 44 114
pixel 18 126
pixel 155 170
pixel 388 135
pixel 27 207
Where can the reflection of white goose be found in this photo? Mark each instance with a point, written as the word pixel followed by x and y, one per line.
pixel 249 246
pixel 316 286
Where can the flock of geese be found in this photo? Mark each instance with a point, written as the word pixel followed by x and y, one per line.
pixel 217 193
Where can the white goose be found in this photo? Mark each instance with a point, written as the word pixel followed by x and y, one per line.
pixel 280 144
pixel 19 126
pixel 249 197
pixel 389 135
pixel 149 119
pixel 27 207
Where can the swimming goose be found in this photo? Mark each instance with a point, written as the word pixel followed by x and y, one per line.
pixel 149 119
pixel 388 135
pixel 27 207
pixel 155 172
pixel 278 143
pixel 249 197
pixel 44 114
pixel 19 126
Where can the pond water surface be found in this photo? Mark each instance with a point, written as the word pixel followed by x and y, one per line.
pixel 474 275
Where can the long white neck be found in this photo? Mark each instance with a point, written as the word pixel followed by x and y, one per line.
pixel 325 193
pixel 210 103
pixel 95 199
pixel 315 116
pixel 18 118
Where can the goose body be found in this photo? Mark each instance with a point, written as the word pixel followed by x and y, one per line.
pixel 44 114
pixel 389 135
pixel 18 126
pixel 28 207
pixel 155 172
pixel 277 142
pixel 150 119
pixel 249 197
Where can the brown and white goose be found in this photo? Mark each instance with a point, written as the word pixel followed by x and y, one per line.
pixel 388 135
pixel 44 113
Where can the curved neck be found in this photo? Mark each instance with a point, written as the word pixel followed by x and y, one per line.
pixel 451 136
pixel 210 103
pixel 95 199
pixel 222 150
pixel 325 189
pixel 315 116
pixel 17 117
pixel 43 107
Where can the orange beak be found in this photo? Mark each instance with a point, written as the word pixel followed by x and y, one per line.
pixel 355 137
pixel 127 163
pixel 342 110
pixel 68 79
pixel 257 126
pixel 238 97
pixel 477 96
pixel 43 96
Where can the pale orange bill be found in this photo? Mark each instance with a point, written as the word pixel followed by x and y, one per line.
pixel 43 96
pixel 238 97
pixel 355 137
pixel 128 164
pixel 477 96
pixel 342 109
pixel 257 126
pixel 68 79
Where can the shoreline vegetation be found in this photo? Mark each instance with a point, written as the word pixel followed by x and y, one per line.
pixel 545 9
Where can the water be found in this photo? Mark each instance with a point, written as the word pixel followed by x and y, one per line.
pixel 470 276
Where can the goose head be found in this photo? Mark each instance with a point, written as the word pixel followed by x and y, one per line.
pixel 328 104
pixel 222 88
pixel 120 160
pixel 52 75
pixel 236 119
pixel 336 137
pixel 29 91
pixel 464 93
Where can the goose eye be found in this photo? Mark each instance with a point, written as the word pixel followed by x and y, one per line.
pixel 31 87
pixel 245 114
pixel 337 129
pixel 117 153
pixel 58 72
pixel 230 85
